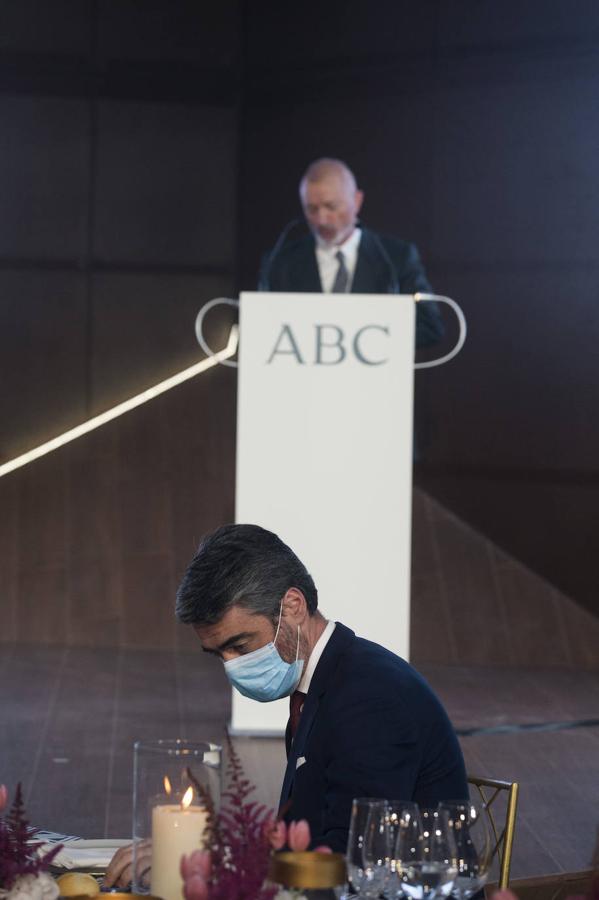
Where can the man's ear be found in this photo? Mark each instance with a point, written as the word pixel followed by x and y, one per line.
pixel 359 200
pixel 295 608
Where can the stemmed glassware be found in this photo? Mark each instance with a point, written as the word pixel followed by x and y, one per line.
pixel 368 847
pixel 403 819
pixel 397 850
pixel 474 847
pixel 425 856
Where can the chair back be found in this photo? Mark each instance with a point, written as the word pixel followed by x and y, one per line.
pixel 489 789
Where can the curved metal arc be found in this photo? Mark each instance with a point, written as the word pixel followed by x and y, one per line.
pixel 439 298
pixel 199 327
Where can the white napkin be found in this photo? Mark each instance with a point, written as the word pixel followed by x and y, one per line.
pixel 85 854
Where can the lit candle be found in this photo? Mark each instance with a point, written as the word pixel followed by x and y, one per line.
pixel 177 828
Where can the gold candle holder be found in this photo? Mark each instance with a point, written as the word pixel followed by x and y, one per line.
pixel 308 870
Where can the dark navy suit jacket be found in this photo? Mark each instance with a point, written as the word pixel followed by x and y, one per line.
pixel 385 265
pixel 370 727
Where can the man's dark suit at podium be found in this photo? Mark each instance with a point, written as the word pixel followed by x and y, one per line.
pixel 340 256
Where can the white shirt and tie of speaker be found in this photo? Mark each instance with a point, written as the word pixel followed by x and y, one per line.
pixel 337 264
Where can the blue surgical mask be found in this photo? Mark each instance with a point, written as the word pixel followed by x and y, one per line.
pixel 263 674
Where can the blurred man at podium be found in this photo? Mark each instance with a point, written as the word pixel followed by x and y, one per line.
pixel 340 255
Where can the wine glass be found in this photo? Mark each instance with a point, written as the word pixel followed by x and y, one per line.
pixel 425 856
pixel 469 824
pixel 377 849
pixel 368 847
pixel 401 816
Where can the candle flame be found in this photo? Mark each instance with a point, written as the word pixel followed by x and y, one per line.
pixel 187 798
pixel 167 785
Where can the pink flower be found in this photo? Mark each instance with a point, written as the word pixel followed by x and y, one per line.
pixel 3 796
pixel 195 872
pixel 197 863
pixel 195 888
pixel 276 834
pixel 298 835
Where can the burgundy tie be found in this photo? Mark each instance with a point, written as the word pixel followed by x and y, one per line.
pixel 296 704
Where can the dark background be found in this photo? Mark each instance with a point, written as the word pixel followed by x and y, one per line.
pixel 150 152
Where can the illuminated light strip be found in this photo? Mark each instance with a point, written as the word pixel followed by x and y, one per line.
pixel 116 411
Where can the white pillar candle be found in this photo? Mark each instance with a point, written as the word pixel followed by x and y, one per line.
pixel 175 831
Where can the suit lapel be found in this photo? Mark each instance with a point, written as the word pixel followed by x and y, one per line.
pixel 306 278
pixel 299 742
pixel 321 681
pixel 370 274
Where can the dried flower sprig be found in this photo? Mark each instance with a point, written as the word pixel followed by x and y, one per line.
pixel 18 851
pixel 234 862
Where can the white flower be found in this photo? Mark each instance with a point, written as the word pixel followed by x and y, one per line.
pixel 290 894
pixel 34 887
pixel 50 889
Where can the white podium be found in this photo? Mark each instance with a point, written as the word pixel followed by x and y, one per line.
pixel 324 455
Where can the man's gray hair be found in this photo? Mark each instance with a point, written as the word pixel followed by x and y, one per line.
pixel 241 565
pixel 329 167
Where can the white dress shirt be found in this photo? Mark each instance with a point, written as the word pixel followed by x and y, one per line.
pixel 304 685
pixel 328 264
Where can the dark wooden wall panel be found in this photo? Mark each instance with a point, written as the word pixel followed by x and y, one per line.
pixel 285 36
pixel 472 23
pixel 471 595
pixel 472 602
pixel 145 523
pixel 165 188
pixel 118 172
pixel 173 481
pixel 521 392
pixel 148 609
pixel 42 357
pixel 95 539
pixel 36 26
pixel 514 158
pixel 555 522
pixel 181 31
pixel 96 536
pixel 44 172
pixel 143 328
pixel 62 360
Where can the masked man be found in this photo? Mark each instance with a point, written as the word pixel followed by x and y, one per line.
pixel 363 722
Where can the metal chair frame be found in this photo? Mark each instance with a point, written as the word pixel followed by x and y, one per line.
pixel 488 791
